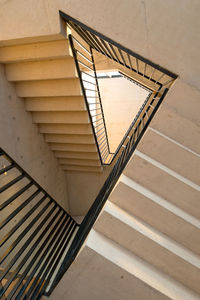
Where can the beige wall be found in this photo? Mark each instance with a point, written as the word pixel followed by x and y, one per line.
pixel 83 187
pixel 20 138
pixel 162 31
pixel 121 100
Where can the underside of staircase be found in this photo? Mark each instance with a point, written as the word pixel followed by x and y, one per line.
pixel 45 76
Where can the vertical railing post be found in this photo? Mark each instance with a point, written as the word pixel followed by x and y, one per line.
pixel 83 91
pixel 99 95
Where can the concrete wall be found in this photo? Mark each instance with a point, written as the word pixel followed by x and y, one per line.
pixel 163 31
pixel 83 189
pixel 121 100
pixel 20 138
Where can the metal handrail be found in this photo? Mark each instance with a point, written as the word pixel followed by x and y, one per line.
pixel 137 64
pixel 43 254
pixel 105 191
pixel 29 246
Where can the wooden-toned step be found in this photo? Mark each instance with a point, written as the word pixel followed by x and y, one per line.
pixel 35 51
pixel 73 103
pixel 61 117
pixel 138 238
pixel 47 88
pixel 41 70
pixel 77 155
pixel 70 138
pixel 66 128
pixel 73 147
pixel 79 162
pixel 83 168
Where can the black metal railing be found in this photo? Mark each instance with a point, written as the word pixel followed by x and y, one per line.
pixel 162 81
pixel 88 41
pixel 127 150
pixel 38 238
pixel 120 54
pixel 85 67
pixel 35 232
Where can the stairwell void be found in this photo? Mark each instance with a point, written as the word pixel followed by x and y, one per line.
pixel 94 52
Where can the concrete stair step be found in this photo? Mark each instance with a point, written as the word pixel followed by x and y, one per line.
pixel 61 117
pixel 75 103
pixel 157 181
pixel 41 70
pixel 157 216
pixel 100 279
pixel 171 155
pixel 65 128
pixel 79 162
pixel 103 63
pixel 73 147
pixel 35 51
pixel 178 127
pixel 77 155
pixel 70 138
pixel 149 245
pixel 93 169
pixel 48 88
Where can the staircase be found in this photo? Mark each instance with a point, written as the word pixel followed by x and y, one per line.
pixel 45 76
pixel 146 242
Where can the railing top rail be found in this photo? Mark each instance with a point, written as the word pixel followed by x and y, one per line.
pixel 3 152
pixel 147 61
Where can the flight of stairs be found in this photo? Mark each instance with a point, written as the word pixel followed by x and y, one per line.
pixel 146 243
pixel 45 76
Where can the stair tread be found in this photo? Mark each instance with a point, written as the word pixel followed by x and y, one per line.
pixel 171 155
pixel 161 183
pixel 157 216
pixel 148 250
pixel 113 281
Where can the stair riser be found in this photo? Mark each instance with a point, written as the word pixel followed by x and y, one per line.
pixel 65 128
pixel 48 88
pixel 162 184
pixel 41 70
pixel 75 147
pixel 153 214
pixel 55 104
pixel 149 250
pixel 70 139
pixel 79 162
pixel 82 169
pixel 61 117
pixel 35 51
pixel 171 155
pixel 62 154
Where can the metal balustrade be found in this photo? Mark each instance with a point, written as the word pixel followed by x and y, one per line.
pixel 84 41
pixel 90 89
pixel 133 138
pixel 35 232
